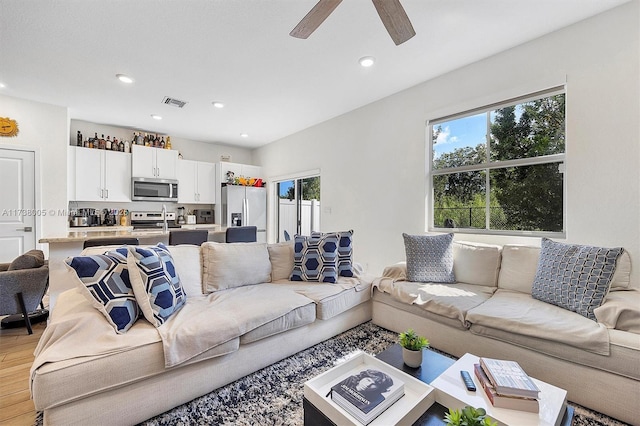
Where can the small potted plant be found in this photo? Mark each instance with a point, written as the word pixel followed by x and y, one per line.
pixel 412 346
pixel 469 416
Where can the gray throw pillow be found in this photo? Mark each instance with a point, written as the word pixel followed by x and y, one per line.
pixel 574 277
pixel 429 258
pixel 29 260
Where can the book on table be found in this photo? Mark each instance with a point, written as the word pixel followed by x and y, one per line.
pixel 508 378
pixel 530 405
pixel 366 394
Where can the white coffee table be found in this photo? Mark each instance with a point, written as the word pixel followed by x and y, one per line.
pixel 451 392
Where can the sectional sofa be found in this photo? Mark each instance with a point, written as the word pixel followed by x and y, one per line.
pixel 240 312
pixel 489 311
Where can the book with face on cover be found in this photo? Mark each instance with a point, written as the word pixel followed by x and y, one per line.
pixel 367 393
pixel 508 378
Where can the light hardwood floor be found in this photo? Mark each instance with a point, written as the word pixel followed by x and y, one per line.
pixel 16 357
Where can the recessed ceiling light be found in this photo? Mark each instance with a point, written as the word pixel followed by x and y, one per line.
pixel 2 86
pixel 244 135
pixel 156 117
pixel 218 104
pixel 124 78
pixel 367 61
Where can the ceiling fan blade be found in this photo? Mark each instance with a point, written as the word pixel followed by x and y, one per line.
pixel 314 18
pixel 395 19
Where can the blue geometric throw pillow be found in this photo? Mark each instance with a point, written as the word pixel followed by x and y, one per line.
pixel 104 280
pixel 315 258
pixel 574 277
pixel 429 258
pixel 155 282
pixel 345 251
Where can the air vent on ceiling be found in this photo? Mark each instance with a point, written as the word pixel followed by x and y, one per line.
pixel 173 102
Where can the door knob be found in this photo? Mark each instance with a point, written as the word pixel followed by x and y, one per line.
pixel 25 229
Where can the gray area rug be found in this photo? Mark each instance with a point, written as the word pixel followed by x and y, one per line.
pixel 273 395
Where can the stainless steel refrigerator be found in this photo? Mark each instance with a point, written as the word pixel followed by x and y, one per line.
pixel 245 206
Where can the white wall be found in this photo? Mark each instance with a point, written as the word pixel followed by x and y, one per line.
pixel 44 128
pixel 372 160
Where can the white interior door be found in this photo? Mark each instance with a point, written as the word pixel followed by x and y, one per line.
pixel 17 203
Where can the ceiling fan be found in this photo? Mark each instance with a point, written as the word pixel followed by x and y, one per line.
pixel 391 13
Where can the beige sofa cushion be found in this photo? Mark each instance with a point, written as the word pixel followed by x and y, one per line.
pixel 521 314
pixel 331 299
pixel 188 263
pixel 476 263
pixel 518 268
pixel 620 311
pixel 302 315
pixel 519 265
pixel 229 265
pixel 622 276
pixel 448 300
pixel 281 257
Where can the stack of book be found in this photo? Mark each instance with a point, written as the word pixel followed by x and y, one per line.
pixel 368 393
pixel 507 385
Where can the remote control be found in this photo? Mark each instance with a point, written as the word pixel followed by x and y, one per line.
pixel 468 381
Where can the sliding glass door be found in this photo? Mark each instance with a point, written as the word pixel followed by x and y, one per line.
pixel 298 207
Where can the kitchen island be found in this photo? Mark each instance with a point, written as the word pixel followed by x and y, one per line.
pixel 71 243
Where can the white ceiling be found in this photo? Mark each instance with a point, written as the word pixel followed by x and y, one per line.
pixel 67 52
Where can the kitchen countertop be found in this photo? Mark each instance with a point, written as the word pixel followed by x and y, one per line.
pixel 82 234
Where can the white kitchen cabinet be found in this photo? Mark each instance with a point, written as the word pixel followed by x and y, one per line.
pixel 246 170
pixel 206 183
pixel 154 162
pixel 197 182
pixel 101 175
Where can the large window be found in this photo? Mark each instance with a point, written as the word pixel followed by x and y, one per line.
pixel 499 169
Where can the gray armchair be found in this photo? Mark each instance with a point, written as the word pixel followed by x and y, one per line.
pixel 23 284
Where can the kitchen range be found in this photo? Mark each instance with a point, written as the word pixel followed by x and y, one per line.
pixel 153 220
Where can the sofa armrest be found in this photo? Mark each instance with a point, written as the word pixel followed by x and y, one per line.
pixel 620 310
pixel 397 272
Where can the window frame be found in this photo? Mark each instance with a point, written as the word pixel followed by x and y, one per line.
pixel 488 165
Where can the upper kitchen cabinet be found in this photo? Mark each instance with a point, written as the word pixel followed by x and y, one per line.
pixel 246 170
pixel 153 162
pixel 197 182
pixel 99 175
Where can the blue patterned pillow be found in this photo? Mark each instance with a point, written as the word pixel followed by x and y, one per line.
pixel 155 282
pixel 429 258
pixel 315 258
pixel 574 277
pixel 104 280
pixel 345 251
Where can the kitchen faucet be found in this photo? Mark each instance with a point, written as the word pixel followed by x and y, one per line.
pixel 165 226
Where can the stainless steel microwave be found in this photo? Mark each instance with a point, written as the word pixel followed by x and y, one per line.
pixel 153 189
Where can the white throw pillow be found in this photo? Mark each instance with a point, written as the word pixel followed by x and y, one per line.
pixel 476 263
pixel 188 263
pixel 518 267
pixel 281 257
pixel 229 265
